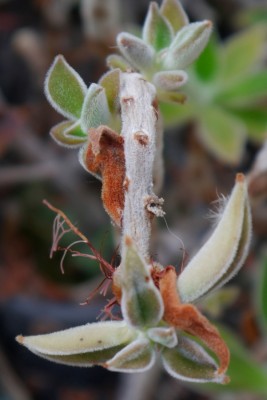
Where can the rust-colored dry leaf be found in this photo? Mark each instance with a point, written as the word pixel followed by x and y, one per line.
pixel 105 156
pixel 187 318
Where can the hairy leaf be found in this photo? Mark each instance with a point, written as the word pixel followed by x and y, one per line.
pixel 187 45
pixel 136 357
pixel 111 83
pixel 224 252
pixel 136 51
pixel 188 361
pixel 141 301
pixel 68 134
pixel 170 80
pixel 166 336
pixel 81 339
pixel 173 11
pixel 114 61
pixel 245 92
pixel 64 89
pixel 157 31
pixel 241 54
pixel 222 133
pixel 95 109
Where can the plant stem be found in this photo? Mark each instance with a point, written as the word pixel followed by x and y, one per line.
pixel 140 127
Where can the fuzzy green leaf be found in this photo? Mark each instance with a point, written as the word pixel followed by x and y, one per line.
pixel 241 54
pixel 81 339
pixel 68 134
pixel 255 120
pixel 176 113
pixel 245 92
pixel 222 134
pixel 111 83
pixel 136 51
pixel 171 97
pixel 173 11
pixel 141 302
pixel 88 359
pixel 64 89
pixel 206 66
pixel 157 31
pixel 95 111
pixel 170 80
pixel 187 45
pixel 115 61
pixel 188 361
pixel 166 336
pixel 225 251
pixel 136 357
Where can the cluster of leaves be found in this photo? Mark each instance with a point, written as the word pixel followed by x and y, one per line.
pixel 226 90
pixel 169 44
pixel 156 319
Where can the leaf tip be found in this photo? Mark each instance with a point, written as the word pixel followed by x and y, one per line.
pixel 240 178
pixel 128 240
pixel 20 339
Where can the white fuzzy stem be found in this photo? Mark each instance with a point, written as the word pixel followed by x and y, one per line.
pixel 139 128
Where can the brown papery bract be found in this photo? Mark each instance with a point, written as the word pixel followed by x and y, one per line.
pixel 105 156
pixel 187 318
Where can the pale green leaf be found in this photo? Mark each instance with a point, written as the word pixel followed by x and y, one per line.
pixel 246 92
pixel 164 335
pixel 173 11
pixel 68 134
pixel 222 134
pixel 141 302
pixel 241 253
pixel 136 51
pixel 111 83
pixel 157 31
pixel 89 359
pixel 241 54
pixel 255 120
pixel 187 45
pixel 138 356
pixel 81 339
pixel 224 252
pixel 64 89
pixel 171 97
pixel 174 114
pixel 115 61
pixel 95 110
pixel 188 361
pixel 207 65
pixel 170 80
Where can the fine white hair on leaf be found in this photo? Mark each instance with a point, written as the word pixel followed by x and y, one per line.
pixel 223 254
pixel 215 213
pixel 73 76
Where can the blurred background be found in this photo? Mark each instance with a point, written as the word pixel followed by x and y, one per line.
pixel 202 156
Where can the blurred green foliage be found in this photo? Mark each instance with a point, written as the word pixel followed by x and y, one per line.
pixel 227 93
